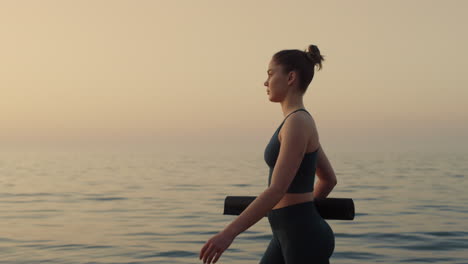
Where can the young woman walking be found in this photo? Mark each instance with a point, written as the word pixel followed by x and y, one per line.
pixel 294 156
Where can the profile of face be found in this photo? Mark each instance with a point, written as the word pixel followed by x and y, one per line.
pixel 278 82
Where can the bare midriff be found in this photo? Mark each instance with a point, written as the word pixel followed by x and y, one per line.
pixel 294 198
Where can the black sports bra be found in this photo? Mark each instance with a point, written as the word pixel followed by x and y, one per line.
pixel 304 179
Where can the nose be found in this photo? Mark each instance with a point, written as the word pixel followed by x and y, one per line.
pixel 265 83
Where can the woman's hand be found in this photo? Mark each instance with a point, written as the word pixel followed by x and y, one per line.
pixel 215 246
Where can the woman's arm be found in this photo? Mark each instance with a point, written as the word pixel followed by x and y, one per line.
pixel 325 174
pixel 254 212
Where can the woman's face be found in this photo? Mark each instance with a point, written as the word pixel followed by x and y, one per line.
pixel 277 82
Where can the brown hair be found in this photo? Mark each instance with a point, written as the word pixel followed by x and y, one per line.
pixel 302 62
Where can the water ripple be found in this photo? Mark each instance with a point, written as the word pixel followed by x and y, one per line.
pixel 106 199
pixel 357 255
pixel 172 253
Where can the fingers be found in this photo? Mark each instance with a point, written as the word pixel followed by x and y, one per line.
pixel 208 252
pixel 217 257
pixel 211 252
pixel 202 251
pixel 212 256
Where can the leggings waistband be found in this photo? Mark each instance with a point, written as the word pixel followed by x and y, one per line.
pixel 293 208
pixel 280 217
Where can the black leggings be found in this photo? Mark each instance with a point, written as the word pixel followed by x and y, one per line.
pixel 300 236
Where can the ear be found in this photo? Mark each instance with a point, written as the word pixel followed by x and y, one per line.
pixel 292 75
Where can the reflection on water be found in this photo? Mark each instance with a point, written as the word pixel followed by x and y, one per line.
pixel 135 207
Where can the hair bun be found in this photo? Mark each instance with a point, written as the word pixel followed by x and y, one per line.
pixel 313 53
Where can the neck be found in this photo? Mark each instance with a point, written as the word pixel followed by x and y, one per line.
pixel 291 102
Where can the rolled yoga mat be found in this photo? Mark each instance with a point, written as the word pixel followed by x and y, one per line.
pixel 328 208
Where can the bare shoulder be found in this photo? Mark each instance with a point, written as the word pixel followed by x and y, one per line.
pixel 304 124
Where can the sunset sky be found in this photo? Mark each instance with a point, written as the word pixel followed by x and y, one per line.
pixel 185 74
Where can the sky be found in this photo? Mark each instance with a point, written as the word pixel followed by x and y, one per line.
pixel 185 75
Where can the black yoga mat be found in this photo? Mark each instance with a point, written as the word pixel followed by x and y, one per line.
pixel 328 208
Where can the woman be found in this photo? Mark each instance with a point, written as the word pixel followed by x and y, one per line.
pixel 300 234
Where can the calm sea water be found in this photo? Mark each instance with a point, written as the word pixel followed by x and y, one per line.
pixel 132 207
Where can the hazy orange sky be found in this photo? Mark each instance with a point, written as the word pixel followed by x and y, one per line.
pixel 189 73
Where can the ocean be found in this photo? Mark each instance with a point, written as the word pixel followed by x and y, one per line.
pixel 159 207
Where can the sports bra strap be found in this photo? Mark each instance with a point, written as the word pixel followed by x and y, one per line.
pixel 294 112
